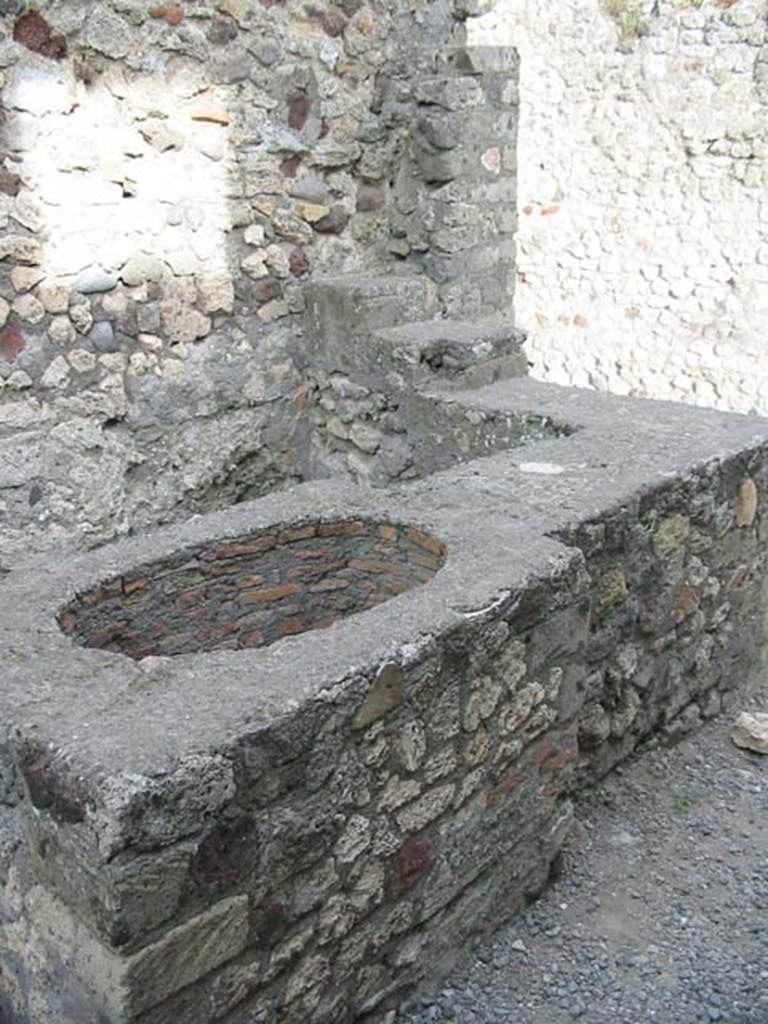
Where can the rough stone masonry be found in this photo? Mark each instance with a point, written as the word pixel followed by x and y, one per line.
pixel 283 760
pixel 316 828
pixel 172 176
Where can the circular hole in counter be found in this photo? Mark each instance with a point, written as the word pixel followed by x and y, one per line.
pixel 252 590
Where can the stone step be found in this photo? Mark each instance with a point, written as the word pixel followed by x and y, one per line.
pixel 472 352
pixel 343 312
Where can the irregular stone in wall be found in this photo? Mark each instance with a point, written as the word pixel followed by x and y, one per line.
pixel 54 297
pixel 334 221
pixel 217 293
pixel 102 337
pixel 440 130
pixel 181 321
pixel 21 249
pixel 274 310
pixel 26 211
pixel 81 316
pixel 107 33
pixel 29 309
pixel 61 331
pixel 299 262
pixel 140 269
pixel 266 290
pixel 386 694
pixel 438 167
pixel 291 227
pixel 370 198
pixel 311 212
pixel 160 136
pixel 412 861
pixel 611 590
pixel 81 360
pixel 254 235
pixel 354 840
pixel 290 166
pixel 114 304
pixel 181 957
pixel 57 374
pixel 299 107
pixel 670 534
pixel 9 182
pixel 255 265
pixel 24 279
pixel 278 260
pixel 746 503
pixel 266 51
pixel 334 151
pixel 94 281
pixel 222 31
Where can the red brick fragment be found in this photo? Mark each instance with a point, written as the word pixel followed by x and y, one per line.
pixel 299 107
pixel 311 570
pixel 67 622
pixel 290 165
pixel 266 289
pixel 296 533
pixel 424 540
pixel 12 344
pixel 309 553
pixel 351 529
pixel 369 565
pixel 265 594
pixel 34 32
pixel 686 601
pixel 426 561
pixel 252 639
pixel 411 863
pixel 139 583
pixel 290 627
pixel 171 13
pixel 232 549
pixel 397 586
pixel 299 262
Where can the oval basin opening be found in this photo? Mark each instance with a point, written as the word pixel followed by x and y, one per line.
pixel 252 590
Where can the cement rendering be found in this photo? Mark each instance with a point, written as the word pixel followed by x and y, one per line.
pixel 313 829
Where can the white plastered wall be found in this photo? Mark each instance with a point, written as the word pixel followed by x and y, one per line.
pixel 116 170
pixel 643 196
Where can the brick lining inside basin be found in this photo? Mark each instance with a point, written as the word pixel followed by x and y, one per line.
pixel 252 590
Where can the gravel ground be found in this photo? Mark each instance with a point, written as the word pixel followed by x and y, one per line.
pixel 661 911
